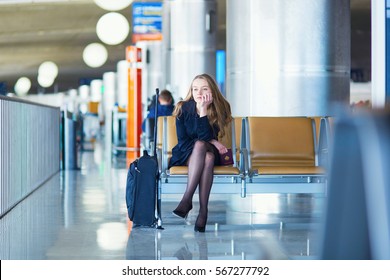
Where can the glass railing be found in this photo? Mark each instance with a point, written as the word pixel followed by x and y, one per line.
pixel 29 148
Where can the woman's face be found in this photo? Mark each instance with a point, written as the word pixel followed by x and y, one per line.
pixel 200 88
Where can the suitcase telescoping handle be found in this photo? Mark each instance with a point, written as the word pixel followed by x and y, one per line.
pixel 155 125
pixel 158 192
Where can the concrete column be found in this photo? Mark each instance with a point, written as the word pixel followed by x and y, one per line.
pixel 287 58
pixel 190 42
pixel 152 74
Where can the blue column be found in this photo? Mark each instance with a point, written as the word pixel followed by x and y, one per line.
pixel 221 70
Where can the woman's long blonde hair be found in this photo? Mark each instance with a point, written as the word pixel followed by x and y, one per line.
pixel 218 112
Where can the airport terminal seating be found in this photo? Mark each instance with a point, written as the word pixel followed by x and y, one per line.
pixel 227 179
pixel 173 180
pixel 282 155
pixel 273 155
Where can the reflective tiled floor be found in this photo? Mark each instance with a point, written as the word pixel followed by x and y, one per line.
pixel 81 214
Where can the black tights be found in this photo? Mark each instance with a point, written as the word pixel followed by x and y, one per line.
pixel 200 172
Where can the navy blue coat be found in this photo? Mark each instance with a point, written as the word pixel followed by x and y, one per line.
pixel 190 128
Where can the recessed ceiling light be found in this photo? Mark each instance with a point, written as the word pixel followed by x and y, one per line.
pixel 112 28
pixel 95 55
pixel 116 5
pixel 22 86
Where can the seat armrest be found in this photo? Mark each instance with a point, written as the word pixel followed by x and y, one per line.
pixel 159 160
pixel 244 161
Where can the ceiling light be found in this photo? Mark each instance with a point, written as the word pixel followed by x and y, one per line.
pixel 48 69
pixel 22 86
pixel 115 5
pixel 112 28
pixel 95 55
pixel 45 81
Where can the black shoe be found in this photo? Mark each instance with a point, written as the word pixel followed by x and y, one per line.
pixel 199 229
pixel 199 221
pixel 181 214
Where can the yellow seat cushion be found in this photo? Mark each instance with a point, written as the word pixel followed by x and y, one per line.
pixel 290 170
pixel 218 170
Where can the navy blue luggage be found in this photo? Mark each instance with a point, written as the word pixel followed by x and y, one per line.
pixel 141 190
pixel 141 187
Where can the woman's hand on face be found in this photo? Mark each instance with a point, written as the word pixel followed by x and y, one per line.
pixel 206 100
pixel 203 102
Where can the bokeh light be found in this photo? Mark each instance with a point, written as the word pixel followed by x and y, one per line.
pixel 95 55
pixel 112 28
pixel 113 5
pixel 22 86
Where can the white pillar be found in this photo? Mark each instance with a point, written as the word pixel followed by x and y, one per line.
pixel 287 58
pixel 190 42
pixel 378 53
pixel 122 83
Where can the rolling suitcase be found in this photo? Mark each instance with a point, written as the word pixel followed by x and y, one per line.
pixel 141 187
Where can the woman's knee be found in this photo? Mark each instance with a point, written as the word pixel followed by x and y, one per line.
pixel 200 145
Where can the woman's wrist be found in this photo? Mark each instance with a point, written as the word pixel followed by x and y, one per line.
pixel 202 111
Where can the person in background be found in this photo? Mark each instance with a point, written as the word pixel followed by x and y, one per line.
pixel 200 118
pixel 165 107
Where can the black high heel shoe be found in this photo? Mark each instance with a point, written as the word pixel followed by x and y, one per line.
pixel 198 228
pixel 181 214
